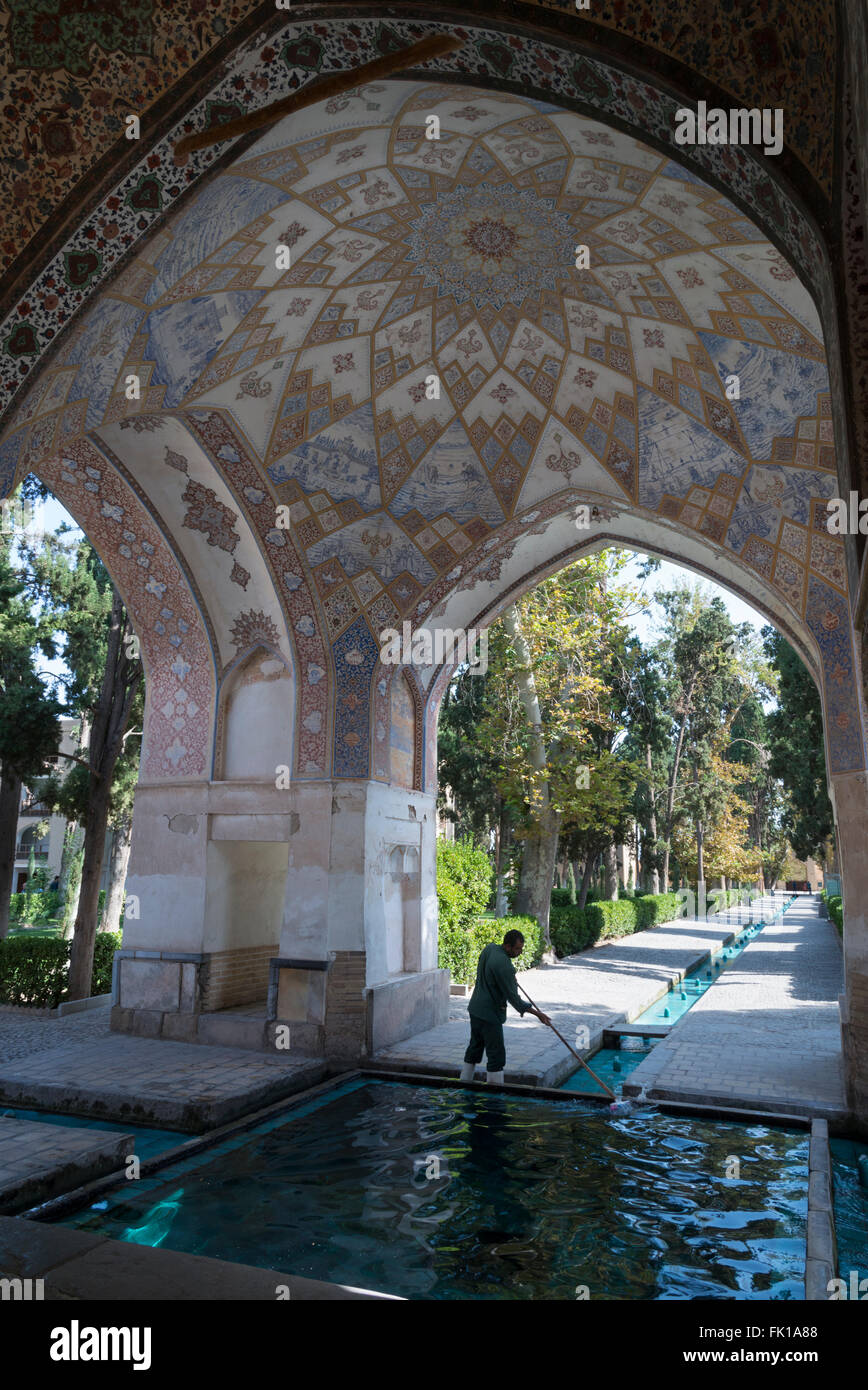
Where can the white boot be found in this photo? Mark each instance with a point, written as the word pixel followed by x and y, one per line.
pixel 468 1071
pixel 495 1078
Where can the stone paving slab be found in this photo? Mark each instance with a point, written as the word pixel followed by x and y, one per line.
pixel 600 988
pixel 77 1265
pixel 153 1081
pixel 767 1034
pixel 39 1161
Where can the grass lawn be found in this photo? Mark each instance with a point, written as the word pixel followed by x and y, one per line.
pixel 46 929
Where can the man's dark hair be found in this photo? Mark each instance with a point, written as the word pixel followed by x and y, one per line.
pixel 513 936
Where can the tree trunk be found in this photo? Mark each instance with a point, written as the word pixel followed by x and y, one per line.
pixel 10 801
pixel 120 684
pixel 534 895
pixel 538 863
pixel 501 904
pixel 654 875
pixel 586 880
pixel 610 865
pixel 120 857
pixel 673 781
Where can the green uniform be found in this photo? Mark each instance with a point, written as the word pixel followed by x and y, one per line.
pixel 495 985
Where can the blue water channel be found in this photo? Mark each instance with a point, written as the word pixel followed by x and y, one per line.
pixel 445 1193
pixel 614 1064
pixel 850 1195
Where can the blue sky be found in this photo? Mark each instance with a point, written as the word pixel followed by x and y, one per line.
pixel 645 624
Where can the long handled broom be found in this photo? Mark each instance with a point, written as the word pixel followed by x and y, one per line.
pixel 610 1094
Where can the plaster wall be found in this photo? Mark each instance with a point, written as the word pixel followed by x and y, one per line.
pixel 339 886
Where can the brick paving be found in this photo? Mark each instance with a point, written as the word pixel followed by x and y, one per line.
pixel 37 1161
pixel 767 1034
pixel 599 988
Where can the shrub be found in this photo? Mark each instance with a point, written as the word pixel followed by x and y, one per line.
pixel 569 930
pixel 105 945
pixel 464 880
pixel 487 929
pixel 453 941
pixel 574 929
pixel 35 972
pixel 608 919
pixel 469 869
pixel 33 909
pixel 561 897
pixel 836 912
pixel 656 907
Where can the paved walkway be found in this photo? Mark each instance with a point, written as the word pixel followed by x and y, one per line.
pixel 600 988
pixel 767 1034
pixel 23 1032
pixel 38 1161
pixel 153 1082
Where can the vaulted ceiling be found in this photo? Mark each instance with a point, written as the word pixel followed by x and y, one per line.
pixel 70 70
pixel 452 260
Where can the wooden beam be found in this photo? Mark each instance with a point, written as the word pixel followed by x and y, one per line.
pixel 434 47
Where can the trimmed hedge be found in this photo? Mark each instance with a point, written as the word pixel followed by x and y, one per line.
pixel 35 972
pixel 836 911
pixel 574 929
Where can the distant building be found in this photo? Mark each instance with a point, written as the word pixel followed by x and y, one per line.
pixel 48 848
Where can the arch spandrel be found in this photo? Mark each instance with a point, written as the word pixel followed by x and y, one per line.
pixel 173 632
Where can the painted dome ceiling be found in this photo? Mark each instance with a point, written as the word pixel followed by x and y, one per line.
pixel 453 259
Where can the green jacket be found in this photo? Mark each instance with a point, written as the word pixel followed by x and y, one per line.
pixel 495 984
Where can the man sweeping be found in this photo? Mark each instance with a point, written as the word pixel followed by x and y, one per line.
pixel 495 984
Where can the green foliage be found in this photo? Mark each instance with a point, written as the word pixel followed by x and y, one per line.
pixel 653 908
pixel 797 751
pixel 105 945
pixel 464 880
pixel 571 883
pixel 469 869
pixel 835 905
pixel 462 765
pixel 574 929
pixel 569 929
pixel 34 972
pixel 468 942
pixel 34 908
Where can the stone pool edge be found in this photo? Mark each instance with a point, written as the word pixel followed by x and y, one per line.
pixel 821 1259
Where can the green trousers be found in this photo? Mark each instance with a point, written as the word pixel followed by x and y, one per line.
pixel 488 1038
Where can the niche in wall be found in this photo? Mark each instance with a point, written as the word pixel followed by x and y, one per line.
pixel 257 708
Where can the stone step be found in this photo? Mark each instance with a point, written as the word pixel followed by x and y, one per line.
pixel 229 1029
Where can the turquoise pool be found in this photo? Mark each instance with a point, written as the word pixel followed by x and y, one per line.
pixel 851 1209
pixel 443 1193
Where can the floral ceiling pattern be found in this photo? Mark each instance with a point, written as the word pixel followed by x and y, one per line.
pixel 455 260
pixel 72 69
